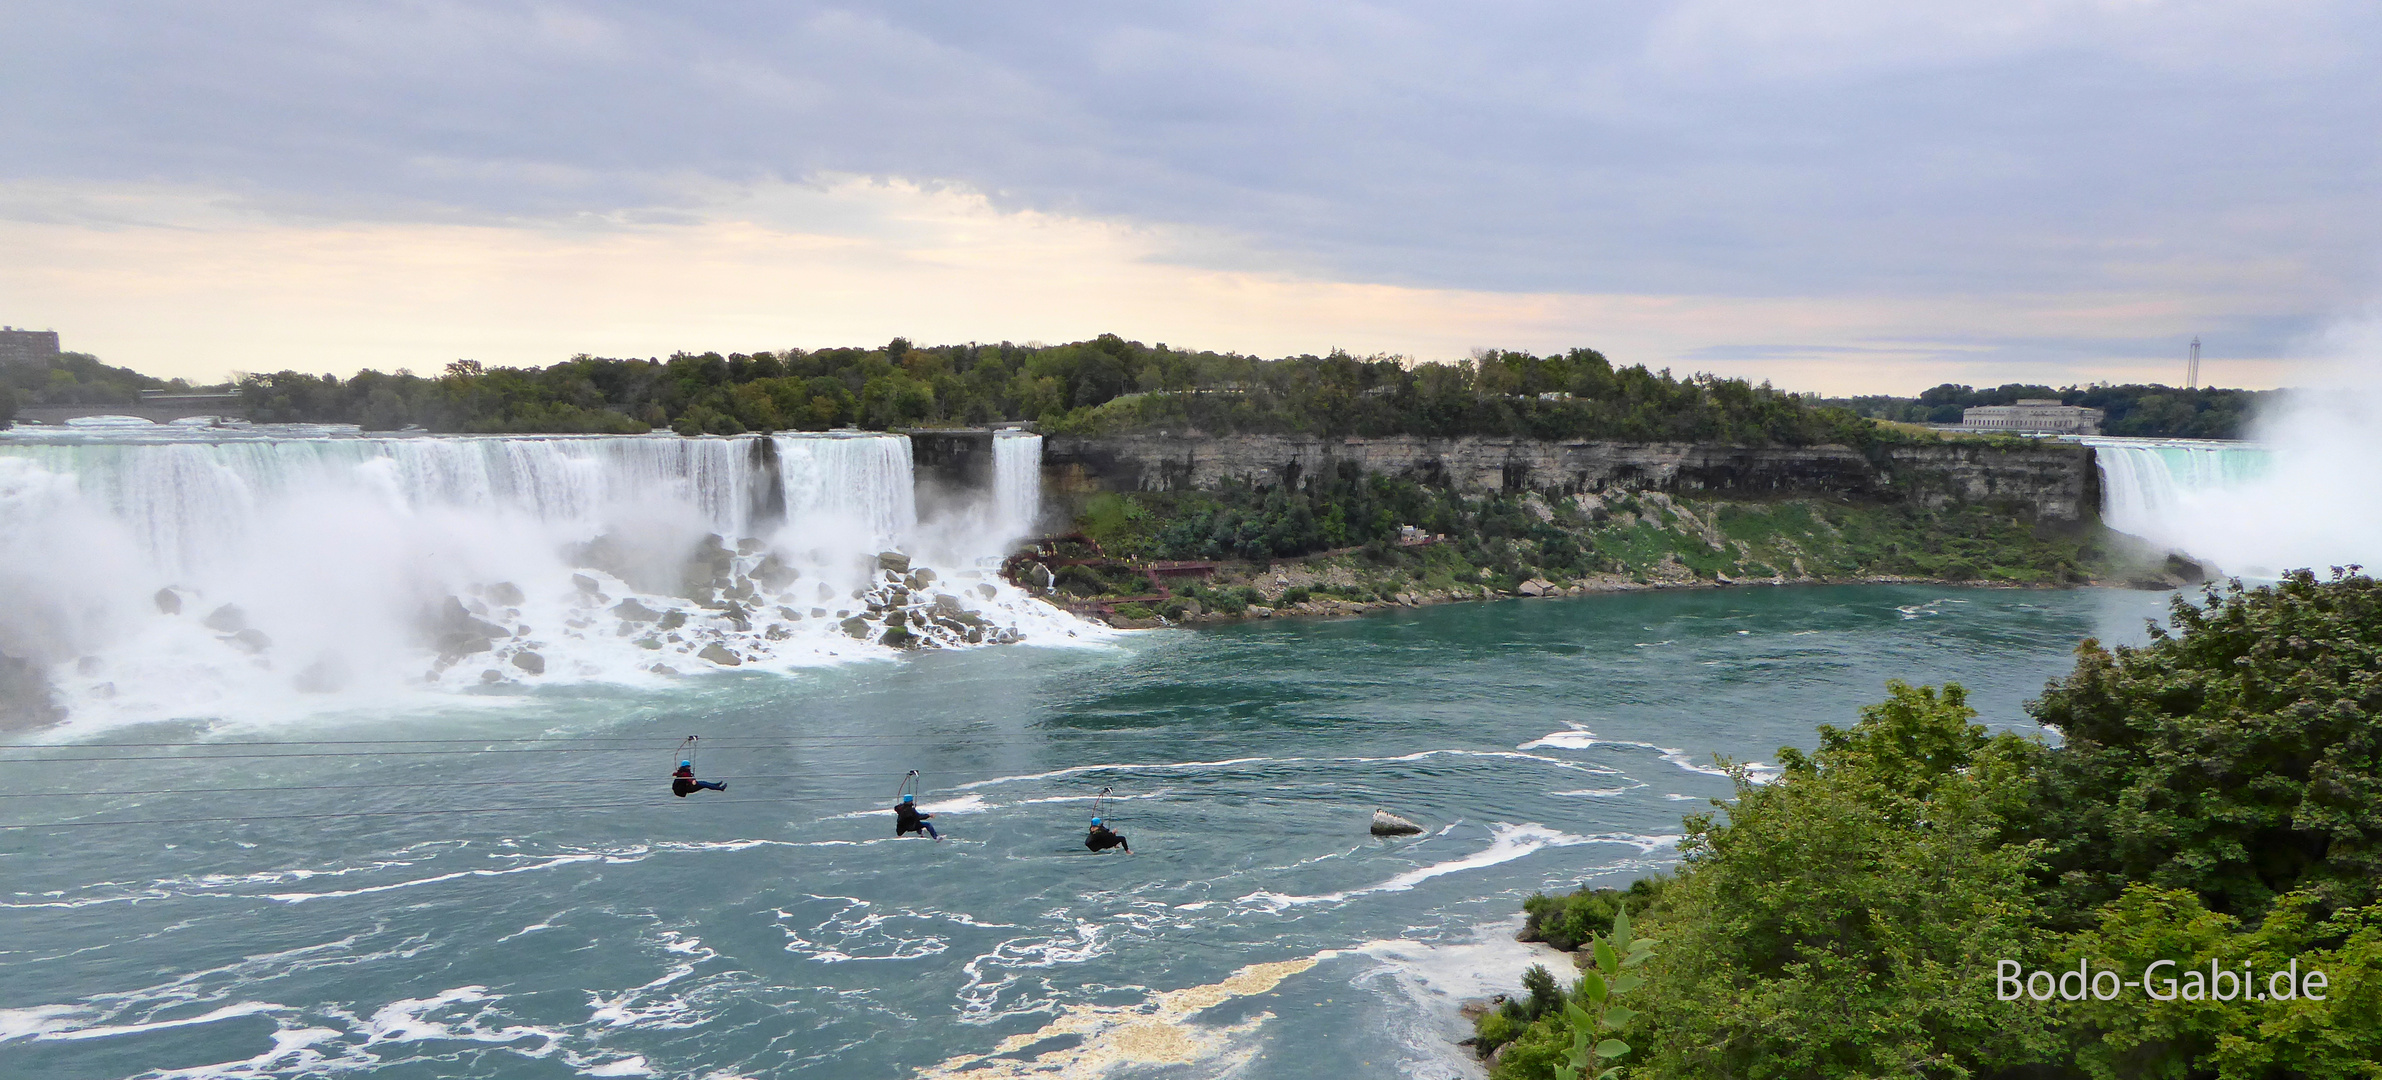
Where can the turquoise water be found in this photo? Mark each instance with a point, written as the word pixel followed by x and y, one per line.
pixel 778 930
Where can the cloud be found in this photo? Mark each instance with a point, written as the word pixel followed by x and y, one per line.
pixel 2180 165
pixel 185 285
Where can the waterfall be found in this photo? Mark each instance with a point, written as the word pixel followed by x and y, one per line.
pixel 1017 482
pixel 2154 487
pixel 188 573
pixel 2308 494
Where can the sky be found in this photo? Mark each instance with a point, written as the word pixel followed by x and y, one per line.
pixel 1847 196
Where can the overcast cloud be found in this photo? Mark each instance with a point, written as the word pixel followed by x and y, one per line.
pixel 2208 163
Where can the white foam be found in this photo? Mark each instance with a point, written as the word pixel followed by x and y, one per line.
pixel 1506 843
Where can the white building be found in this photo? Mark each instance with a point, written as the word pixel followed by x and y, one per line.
pixel 2034 416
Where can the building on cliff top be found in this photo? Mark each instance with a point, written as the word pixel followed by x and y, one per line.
pixel 27 346
pixel 2033 416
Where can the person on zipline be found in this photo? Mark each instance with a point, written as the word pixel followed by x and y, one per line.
pixel 907 819
pixel 1100 839
pixel 683 782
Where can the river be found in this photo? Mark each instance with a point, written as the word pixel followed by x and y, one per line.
pixel 778 929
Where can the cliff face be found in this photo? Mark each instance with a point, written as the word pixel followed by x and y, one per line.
pixel 2058 480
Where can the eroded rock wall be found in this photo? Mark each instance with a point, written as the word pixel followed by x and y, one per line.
pixel 2057 480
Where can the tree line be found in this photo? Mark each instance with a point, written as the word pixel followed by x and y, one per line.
pixel 1101 385
pixel 2136 410
pixel 2214 802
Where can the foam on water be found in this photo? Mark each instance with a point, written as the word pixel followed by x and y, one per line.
pixel 264 575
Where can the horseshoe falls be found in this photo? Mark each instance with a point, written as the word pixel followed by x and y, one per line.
pixel 166 575
pixel 2306 493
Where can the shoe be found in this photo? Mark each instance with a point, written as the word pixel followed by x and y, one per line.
pixel 723 786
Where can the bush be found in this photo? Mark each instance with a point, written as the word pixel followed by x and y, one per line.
pixel 1567 922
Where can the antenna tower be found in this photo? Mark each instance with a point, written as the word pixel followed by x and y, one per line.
pixel 2192 367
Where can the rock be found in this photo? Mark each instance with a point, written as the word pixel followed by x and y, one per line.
pixel 778 632
pixel 855 626
pixel 649 643
pixel 948 604
pixel 530 662
pixel 506 593
pixel 1260 611
pixel 630 610
pixel 923 576
pixel 774 574
pixel 168 602
pixel 251 639
pixel 818 613
pixel 720 654
pixel 894 561
pixel 583 583
pixel 1192 609
pixel 458 635
pixel 325 675
pixel 898 636
pixel 1536 587
pixel 1389 824
pixel 229 619
pixel 987 591
pixel 25 697
pixel 491 676
pixel 671 620
pixel 2186 570
pixel 750 546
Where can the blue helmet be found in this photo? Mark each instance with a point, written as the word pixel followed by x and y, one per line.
pixel 909 798
pixel 686 764
pixel 1095 821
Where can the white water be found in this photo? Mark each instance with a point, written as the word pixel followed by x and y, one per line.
pixel 2307 493
pixel 315 570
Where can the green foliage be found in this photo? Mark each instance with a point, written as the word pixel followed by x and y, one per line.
pixel 2211 803
pixel 74 378
pixel 2237 756
pixel 2134 1035
pixel 2137 410
pixel 1103 385
pixel 1836 922
pixel 1571 921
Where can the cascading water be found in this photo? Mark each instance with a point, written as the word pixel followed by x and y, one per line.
pixel 163 574
pixel 2154 487
pixel 1017 482
pixel 2306 493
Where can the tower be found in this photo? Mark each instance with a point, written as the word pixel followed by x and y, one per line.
pixel 2192 366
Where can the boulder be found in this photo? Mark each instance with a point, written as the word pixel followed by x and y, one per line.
pixel 630 610
pixel 1389 824
pixel 506 594
pixel 530 662
pixel 855 626
pixel 458 635
pixel 774 574
pixel 894 561
pixel 229 619
pixel 25 696
pixel 671 620
pixel 252 640
pixel 720 654
pixel 168 602
pixel 898 636
pixel 750 546
pixel 948 604
pixel 987 591
pixel 492 676
pixel 583 583
pixel 1260 611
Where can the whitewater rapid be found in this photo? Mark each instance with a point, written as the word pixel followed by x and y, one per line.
pixel 196 573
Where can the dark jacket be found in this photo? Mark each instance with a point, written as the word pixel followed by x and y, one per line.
pixel 907 819
pixel 682 782
pixel 1101 839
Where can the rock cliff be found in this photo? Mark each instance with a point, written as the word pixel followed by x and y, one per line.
pixel 2057 480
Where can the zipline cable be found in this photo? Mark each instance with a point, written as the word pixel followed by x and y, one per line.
pixel 646 742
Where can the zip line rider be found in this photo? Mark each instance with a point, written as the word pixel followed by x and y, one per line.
pixel 683 782
pixel 1101 839
pixel 907 819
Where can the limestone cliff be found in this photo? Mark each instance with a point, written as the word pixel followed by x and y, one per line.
pixel 2057 480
